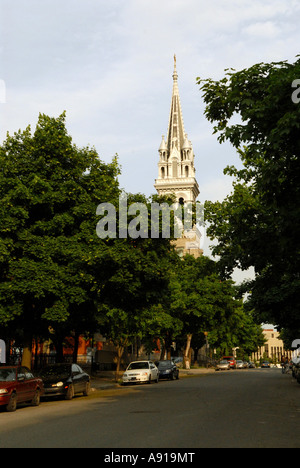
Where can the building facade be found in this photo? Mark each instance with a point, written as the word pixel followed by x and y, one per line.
pixel 273 349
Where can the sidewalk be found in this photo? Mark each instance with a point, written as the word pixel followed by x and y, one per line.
pixel 106 379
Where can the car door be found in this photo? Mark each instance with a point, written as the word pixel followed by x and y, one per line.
pixel 78 378
pixel 174 369
pixel 24 385
pixel 154 371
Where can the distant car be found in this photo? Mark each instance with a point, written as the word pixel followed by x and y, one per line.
pixel 239 364
pixel 140 372
pixel 231 361
pixel 65 380
pixel 167 370
pixel 251 365
pixel 19 385
pixel 265 364
pixel 246 365
pixel 223 365
pixel 178 361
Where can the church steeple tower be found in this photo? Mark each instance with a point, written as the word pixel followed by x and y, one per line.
pixel 176 171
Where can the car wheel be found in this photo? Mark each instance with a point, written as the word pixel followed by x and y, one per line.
pixel 12 404
pixel 156 380
pixel 70 393
pixel 177 377
pixel 149 381
pixel 36 399
pixel 87 390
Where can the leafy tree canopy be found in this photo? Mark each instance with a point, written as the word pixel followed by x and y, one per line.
pixel 49 192
pixel 258 225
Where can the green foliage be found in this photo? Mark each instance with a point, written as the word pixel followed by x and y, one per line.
pixel 258 224
pixel 49 191
pixel 58 276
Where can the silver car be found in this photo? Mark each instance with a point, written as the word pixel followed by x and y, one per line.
pixel 223 365
pixel 239 365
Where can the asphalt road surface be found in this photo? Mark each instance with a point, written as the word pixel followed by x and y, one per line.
pixel 250 408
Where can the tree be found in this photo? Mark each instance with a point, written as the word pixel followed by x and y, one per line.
pixel 136 281
pixel 49 192
pixel 259 223
pixel 202 300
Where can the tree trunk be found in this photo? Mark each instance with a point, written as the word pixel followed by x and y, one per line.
pixel 162 351
pixel 186 358
pixel 76 344
pixel 196 350
pixel 59 357
pixel 120 351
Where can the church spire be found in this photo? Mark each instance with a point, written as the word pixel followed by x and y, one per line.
pixel 176 163
pixel 176 130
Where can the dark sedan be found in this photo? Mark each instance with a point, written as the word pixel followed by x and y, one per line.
pixel 19 385
pixel 65 380
pixel 167 370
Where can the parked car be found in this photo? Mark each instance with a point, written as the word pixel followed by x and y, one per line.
pixel 239 364
pixel 231 361
pixel 65 380
pixel 296 370
pixel 178 361
pixel 223 365
pixel 167 370
pixel 245 364
pixel 265 364
pixel 251 365
pixel 19 385
pixel 140 371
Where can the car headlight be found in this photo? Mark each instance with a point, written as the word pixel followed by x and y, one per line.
pixel 58 384
pixel 3 391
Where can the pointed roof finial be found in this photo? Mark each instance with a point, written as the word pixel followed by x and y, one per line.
pixel 175 76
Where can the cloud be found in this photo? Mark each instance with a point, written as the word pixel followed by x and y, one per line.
pixel 266 29
pixel 109 65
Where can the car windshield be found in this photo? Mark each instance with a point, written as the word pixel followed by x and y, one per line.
pixel 163 364
pixel 7 374
pixel 223 362
pixel 62 371
pixel 138 365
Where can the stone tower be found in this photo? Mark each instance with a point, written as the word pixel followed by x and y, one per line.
pixel 176 171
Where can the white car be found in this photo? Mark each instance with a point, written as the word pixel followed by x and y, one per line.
pixel 141 371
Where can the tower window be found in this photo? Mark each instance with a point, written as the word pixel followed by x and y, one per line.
pixel 181 201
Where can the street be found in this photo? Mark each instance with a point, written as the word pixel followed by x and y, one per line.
pixel 240 408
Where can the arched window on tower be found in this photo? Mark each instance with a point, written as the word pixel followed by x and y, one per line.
pixel 163 173
pixel 181 201
pixel 186 171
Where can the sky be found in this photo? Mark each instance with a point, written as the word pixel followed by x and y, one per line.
pixel 109 65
